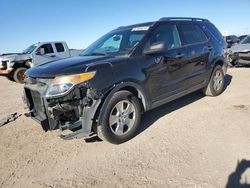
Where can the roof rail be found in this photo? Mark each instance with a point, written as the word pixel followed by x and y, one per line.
pixel 183 18
pixel 137 25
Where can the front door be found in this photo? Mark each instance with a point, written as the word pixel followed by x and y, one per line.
pixel 49 55
pixel 168 72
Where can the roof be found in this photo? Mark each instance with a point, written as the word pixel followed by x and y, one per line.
pixel 164 19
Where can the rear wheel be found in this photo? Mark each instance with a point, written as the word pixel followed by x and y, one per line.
pixel 121 118
pixel 19 75
pixel 216 84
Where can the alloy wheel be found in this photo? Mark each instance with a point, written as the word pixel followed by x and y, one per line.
pixel 122 117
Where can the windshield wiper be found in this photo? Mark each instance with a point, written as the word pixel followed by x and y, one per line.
pixel 96 54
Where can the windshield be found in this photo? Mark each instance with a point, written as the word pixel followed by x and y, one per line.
pixel 117 43
pixel 246 40
pixel 30 49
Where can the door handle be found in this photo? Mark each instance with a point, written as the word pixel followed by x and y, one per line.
pixel 179 56
pixel 52 56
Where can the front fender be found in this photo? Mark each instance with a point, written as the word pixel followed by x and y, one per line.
pixel 22 63
pixel 123 85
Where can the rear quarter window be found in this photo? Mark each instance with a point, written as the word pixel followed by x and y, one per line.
pixel 214 32
pixel 59 47
pixel 191 34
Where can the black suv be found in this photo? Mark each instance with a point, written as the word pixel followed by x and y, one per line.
pixel 126 72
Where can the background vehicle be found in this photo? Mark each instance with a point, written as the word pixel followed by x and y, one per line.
pixel 240 53
pixel 231 40
pixel 14 65
pixel 241 37
pixel 126 72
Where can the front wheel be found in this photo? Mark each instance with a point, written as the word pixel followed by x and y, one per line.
pixel 121 118
pixel 216 84
pixel 19 75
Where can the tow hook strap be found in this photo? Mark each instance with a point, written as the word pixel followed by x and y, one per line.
pixel 9 118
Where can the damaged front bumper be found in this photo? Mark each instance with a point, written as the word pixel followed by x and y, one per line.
pixel 5 69
pixel 242 58
pixel 5 72
pixel 74 111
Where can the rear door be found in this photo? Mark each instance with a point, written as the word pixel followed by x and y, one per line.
pixel 198 51
pixel 61 50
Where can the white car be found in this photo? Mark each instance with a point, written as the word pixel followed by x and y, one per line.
pixel 240 53
pixel 14 65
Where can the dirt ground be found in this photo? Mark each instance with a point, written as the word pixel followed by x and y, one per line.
pixel 195 141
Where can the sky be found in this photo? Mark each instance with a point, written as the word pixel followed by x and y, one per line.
pixel 81 22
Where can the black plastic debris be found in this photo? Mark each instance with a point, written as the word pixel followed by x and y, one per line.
pixel 9 118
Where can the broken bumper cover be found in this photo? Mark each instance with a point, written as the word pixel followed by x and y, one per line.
pixel 5 71
pixel 76 110
pixel 5 68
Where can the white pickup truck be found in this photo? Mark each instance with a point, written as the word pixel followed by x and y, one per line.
pixel 14 65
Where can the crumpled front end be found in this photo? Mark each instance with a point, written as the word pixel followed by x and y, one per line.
pixel 241 57
pixel 5 67
pixel 75 110
pixel 9 62
pixel 240 54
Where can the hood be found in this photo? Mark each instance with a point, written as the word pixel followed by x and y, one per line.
pixel 241 48
pixel 68 66
pixel 14 57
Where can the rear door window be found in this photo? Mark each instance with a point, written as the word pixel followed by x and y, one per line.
pixel 59 47
pixel 192 34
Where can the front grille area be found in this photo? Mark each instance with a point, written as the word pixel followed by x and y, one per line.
pixel 35 104
pixel 35 90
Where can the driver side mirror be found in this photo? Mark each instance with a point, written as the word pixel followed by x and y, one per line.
pixel 155 48
pixel 41 51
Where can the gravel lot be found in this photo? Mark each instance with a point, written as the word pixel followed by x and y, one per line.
pixel 195 141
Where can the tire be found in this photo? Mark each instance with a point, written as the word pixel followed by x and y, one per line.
pixel 216 83
pixel 116 127
pixel 18 75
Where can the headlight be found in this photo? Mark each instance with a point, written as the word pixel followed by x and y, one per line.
pixel 63 84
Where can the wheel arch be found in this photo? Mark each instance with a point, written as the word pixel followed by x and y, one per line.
pixel 134 88
pixel 23 63
pixel 221 62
